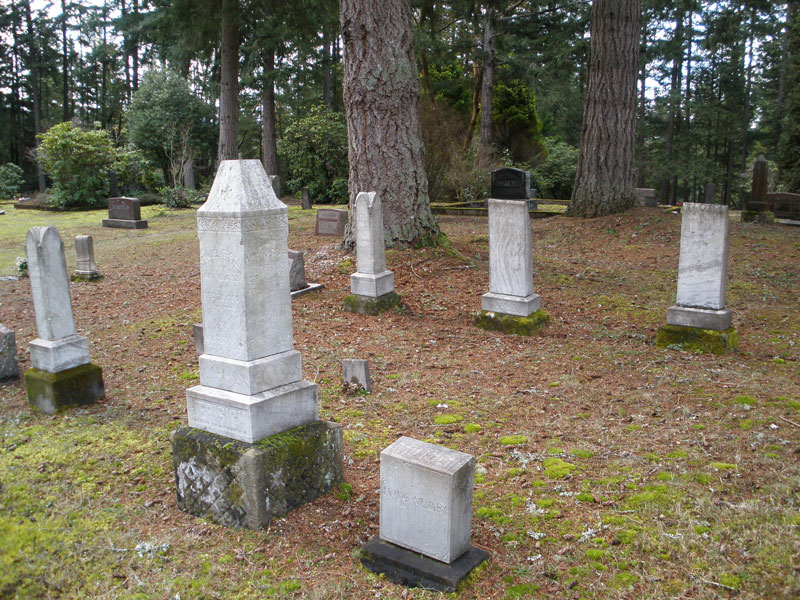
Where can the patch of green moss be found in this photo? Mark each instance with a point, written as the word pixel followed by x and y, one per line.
pixel 680 337
pixel 721 466
pixel 585 497
pixel 626 536
pixel 730 580
pixel 555 468
pixel 512 324
pixel 678 454
pixel 472 428
pixel 492 513
pixel 446 419
pixel 515 472
pixel 365 305
pixel 665 476
pixel 659 496
pixel 625 580
pixel 512 440
pixel 51 393
pixel 633 427
pixel 346 266
pixel 579 453
pixel 596 554
pixel 521 590
pixel 745 424
pixel 554 450
pixel 749 400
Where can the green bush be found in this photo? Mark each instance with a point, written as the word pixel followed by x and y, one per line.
pixel 555 177
pixel 516 123
pixel 78 162
pixel 11 181
pixel 315 147
pixel 179 197
pixel 134 171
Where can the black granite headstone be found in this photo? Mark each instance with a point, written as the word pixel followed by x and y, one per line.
pixel 511 184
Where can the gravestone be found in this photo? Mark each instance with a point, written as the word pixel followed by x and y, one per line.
pixel 297 271
pixel 85 267
pixel 330 221
pixel 9 364
pixel 425 509
pixel 124 213
pixel 305 199
pixel 647 197
pixel 355 371
pixel 758 190
pixel 372 285
pixel 784 205
pixel 702 281
pixel 197 335
pixel 510 305
pixel 62 374
pixel 513 184
pixel 275 181
pixel 251 385
pixel 709 193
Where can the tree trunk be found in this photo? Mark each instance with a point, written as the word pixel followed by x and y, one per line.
pixel 135 54
pixel 606 163
pixel 269 146
pixel 327 68
pixel 36 91
pixel 229 81
pixel 65 112
pixel 486 148
pixel 382 106
pixel 668 191
pixel 476 101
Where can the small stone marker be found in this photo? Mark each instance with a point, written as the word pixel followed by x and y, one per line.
pixel 197 334
pixel 305 199
pixel 85 268
pixel 297 271
pixel 124 213
pixel 62 374
pixel 709 193
pixel 331 221
pixel 372 286
pixel 356 371
pixel 647 197
pixel 251 384
pixel 702 278
pixel 275 180
pixel 511 305
pixel 425 508
pixel 9 364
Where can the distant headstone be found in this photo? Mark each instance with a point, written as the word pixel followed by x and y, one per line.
pixel 425 508
pixel 356 371
pixel 197 334
pixel 2 212
pixel 58 350
pixel 124 213
pixel 758 191
pixel 647 197
pixel 305 199
pixel 372 285
pixel 297 271
pixel 275 180
pixel 251 384
pixel 9 364
pixel 331 221
pixel 709 193
pixel 85 267
pixel 784 205
pixel 511 184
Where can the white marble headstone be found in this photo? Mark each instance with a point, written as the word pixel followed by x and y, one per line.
pixel 58 346
pixel 372 278
pixel 426 498
pixel 84 247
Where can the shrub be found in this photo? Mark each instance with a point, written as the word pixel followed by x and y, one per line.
pixel 555 177
pixel 516 123
pixel 78 162
pixel 179 197
pixel 11 181
pixel 315 147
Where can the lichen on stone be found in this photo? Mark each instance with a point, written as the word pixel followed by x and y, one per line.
pixel 680 337
pixel 512 324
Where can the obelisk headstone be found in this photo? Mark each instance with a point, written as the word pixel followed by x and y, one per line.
pixel 372 286
pixel 702 277
pixel 251 385
pixel 85 267
pixel 62 373
pixel 510 305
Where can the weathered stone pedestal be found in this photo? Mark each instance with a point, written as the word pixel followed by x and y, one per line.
pixel 254 448
pixel 681 337
pixel 370 305
pixel 85 269
pixel 512 324
pixel 238 484
pixel 53 392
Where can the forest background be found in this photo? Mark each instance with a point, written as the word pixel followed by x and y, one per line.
pixel 715 91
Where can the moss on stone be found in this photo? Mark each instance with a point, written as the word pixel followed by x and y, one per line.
pixel 54 392
pixel 492 321
pixel 680 337
pixel 85 278
pixel 757 216
pixel 365 305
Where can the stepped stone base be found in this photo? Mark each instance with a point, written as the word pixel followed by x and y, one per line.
pixel 368 305
pixel 709 341
pixel 54 392
pixel 494 321
pixel 238 484
pixel 125 223
pixel 416 570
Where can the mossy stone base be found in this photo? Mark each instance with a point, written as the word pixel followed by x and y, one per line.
pixel 54 392
pixel 494 321
pixel 83 278
pixel 757 216
pixel 367 305
pixel 237 484
pixel 680 337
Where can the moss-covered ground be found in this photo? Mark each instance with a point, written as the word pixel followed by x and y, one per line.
pixel 607 467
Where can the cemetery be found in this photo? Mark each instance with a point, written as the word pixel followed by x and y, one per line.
pixel 592 462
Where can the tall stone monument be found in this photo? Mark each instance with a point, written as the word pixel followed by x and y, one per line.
pixel 759 207
pixel 85 269
pixel 62 374
pixel 425 517
pixel 372 286
pixel 510 306
pixel 251 386
pixel 699 319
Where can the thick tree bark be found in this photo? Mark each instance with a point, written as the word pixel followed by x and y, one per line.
pixel 269 146
pixel 606 162
pixel 382 105
pixel 327 68
pixel 65 111
pixel 229 81
pixel 36 91
pixel 486 148
pixel 476 102
pixel 135 53
pixel 668 191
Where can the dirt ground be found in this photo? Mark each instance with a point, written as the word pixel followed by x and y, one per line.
pixel 606 467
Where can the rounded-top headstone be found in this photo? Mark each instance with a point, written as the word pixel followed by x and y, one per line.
pixel 49 283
